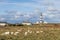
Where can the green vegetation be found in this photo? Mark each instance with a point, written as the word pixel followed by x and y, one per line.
pixel 32 32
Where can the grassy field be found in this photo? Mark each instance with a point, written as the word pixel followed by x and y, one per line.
pixel 33 32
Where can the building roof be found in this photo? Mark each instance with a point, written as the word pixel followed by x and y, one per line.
pixel 26 22
pixel 3 22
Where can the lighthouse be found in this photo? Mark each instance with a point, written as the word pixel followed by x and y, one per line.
pixel 41 18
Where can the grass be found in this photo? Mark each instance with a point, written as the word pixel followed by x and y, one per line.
pixel 46 32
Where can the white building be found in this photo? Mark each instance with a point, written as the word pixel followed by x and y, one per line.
pixel 26 23
pixel 3 23
pixel 45 22
pixel 36 22
pixel 40 22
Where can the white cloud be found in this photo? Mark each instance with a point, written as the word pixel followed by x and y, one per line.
pixel 27 16
pixel 33 5
pixel 52 14
pixel 44 2
pixel 16 16
pixel 1 19
pixel 51 9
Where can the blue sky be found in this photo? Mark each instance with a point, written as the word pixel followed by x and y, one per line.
pixel 15 11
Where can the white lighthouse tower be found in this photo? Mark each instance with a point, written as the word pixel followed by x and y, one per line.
pixel 41 18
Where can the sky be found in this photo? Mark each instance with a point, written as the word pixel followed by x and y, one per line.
pixel 17 11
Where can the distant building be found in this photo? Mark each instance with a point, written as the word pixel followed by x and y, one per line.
pixel 37 22
pixel 45 22
pixel 26 23
pixel 40 22
pixel 3 23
